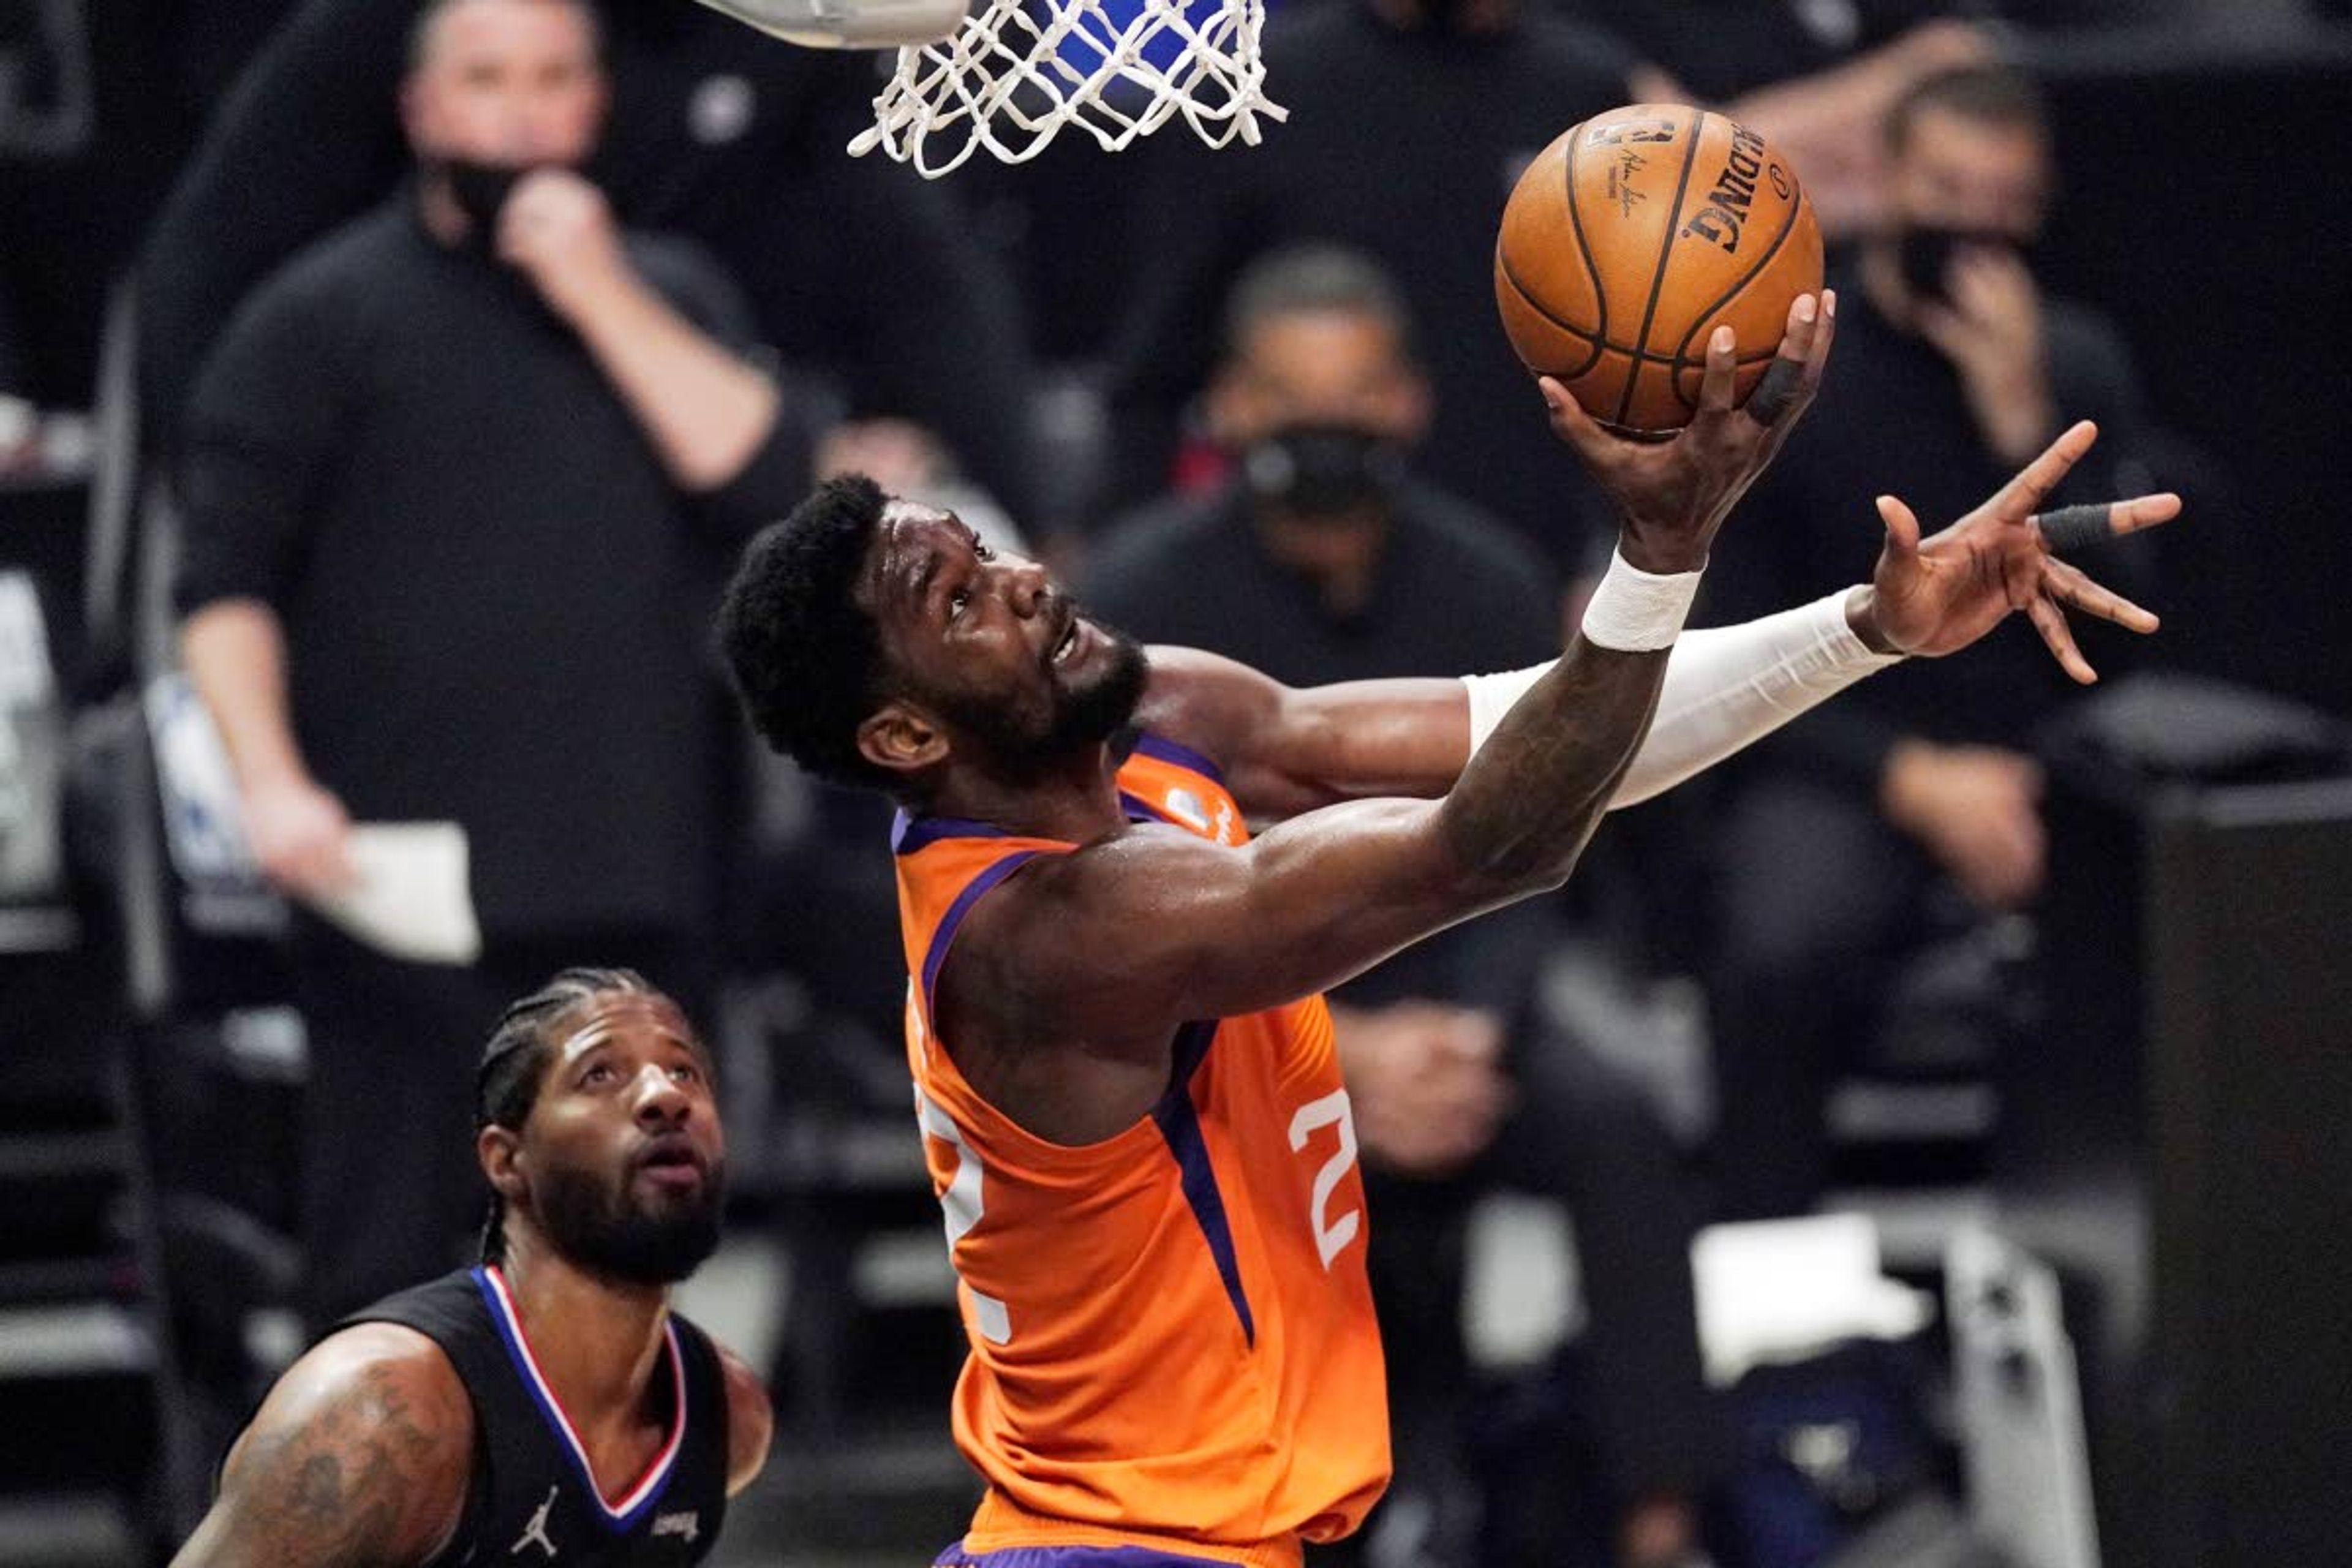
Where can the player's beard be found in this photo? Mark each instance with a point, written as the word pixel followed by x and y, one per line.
pixel 1082 716
pixel 618 1236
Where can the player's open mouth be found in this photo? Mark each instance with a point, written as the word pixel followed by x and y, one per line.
pixel 673 1157
pixel 1063 648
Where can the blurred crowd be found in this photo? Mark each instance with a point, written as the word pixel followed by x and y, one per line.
pixel 458 385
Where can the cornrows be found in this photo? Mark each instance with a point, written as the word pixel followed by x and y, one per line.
pixel 506 1084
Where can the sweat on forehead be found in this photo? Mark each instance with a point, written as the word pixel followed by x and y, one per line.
pixel 907 541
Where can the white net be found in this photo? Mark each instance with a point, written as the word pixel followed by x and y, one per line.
pixel 1017 71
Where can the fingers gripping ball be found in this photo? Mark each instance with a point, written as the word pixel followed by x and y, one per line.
pixel 1632 238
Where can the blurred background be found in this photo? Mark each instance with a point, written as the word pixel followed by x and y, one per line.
pixel 1919 1142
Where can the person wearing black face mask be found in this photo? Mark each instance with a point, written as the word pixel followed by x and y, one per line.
pixel 1924 792
pixel 446 483
pixel 1322 557
pixel 480 190
pixel 1969 185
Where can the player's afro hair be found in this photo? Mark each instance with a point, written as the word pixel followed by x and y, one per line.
pixel 806 661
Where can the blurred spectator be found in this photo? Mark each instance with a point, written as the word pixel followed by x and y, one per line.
pixel 1410 121
pixel 716 131
pixel 1323 559
pixel 1912 810
pixel 1820 94
pixel 440 482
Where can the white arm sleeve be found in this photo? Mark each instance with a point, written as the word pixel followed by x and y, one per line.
pixel 1725 688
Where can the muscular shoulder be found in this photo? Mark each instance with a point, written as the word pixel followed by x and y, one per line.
pixel 360 1454
pixel 750 1419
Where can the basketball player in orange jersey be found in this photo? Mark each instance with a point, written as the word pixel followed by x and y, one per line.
pixel 1123 1069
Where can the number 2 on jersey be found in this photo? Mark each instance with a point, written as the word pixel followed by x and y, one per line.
pixel 1331 1111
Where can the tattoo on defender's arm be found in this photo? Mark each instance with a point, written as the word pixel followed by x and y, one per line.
pixel 330 1486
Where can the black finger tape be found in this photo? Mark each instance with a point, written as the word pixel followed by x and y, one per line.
pixel 1775 392
pixel 2073 527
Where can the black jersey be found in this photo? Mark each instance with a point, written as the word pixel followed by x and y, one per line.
pixel 531 1498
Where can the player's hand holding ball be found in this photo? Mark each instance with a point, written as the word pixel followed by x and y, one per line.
pixel 1647 262
pixel 1673 493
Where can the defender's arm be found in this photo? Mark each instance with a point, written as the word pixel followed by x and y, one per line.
pixel 358 1458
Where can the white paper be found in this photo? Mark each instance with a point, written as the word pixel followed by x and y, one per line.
pixel 1783 1289
pixel 409 897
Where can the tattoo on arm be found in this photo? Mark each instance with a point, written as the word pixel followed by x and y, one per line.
pixel 356 1476
pixel 1534 793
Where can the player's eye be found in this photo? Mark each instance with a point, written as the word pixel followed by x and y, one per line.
pixel 957 601
pixel 981 551
pixel 687 1072
pixel 602 1073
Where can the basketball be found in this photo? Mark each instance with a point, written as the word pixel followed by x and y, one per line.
pixel 1632 238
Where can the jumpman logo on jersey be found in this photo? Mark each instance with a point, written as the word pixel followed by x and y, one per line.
pixel 535 1533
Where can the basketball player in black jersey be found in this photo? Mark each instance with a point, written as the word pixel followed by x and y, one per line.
pixel 546 1406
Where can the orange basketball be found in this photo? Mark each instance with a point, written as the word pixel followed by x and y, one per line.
pixel 1632 238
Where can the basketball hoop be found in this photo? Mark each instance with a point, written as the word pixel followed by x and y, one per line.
pixel 1005 76
pixel 1017 71
pixel 848 24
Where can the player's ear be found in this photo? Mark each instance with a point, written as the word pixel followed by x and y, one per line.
pixel 901 738
pixel 496 1148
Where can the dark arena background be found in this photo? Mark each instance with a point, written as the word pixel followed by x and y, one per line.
pixel 2018 1241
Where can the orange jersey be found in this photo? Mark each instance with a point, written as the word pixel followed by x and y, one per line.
pixel 1172 1340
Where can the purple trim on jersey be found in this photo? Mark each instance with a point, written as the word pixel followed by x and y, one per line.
pixel 641 1497
pixel 1075 1557
pixel 908 834
pixel 1182 756
pixel 1139 809
pixel 945 933
pixel 1180 1124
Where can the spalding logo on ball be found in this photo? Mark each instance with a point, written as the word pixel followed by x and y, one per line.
pixel 1632 238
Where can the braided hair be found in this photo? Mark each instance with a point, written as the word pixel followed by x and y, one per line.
pixel 514 1063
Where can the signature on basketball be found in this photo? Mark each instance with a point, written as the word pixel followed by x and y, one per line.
pixel 1620 181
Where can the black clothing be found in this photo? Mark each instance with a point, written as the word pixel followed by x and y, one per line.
pixel 531 1497
pixel 1818 900
pixel 493 609
pixel 1818 903
pixel 713 132
pixel 1404 146
pixel 1456 593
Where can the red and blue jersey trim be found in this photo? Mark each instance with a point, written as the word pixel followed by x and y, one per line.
pixel 622 1514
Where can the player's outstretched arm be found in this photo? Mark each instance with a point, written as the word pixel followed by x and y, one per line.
pixel 1288 750
pixel 1204 933
pixel 358 1458
pixel 1938 595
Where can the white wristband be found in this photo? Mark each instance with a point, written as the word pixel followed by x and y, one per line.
pixel 1635 611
